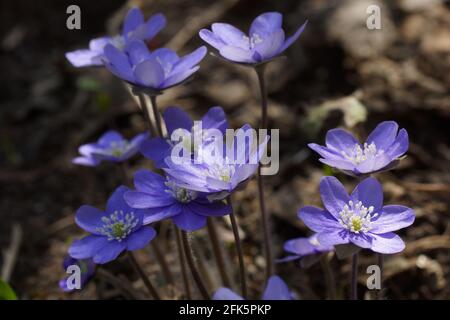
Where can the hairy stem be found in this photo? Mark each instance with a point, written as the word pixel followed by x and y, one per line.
pixel 184 275
pixel 238 243
pixel 218 252
pixel 144 278
pixel 156 115
pixel 264 215
pixel 354 278
pixel 190 260
pixel 146 111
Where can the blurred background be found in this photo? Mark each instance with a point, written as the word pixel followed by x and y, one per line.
pixel 338 73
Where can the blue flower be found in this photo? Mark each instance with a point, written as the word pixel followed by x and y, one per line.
pixel 219 167
pixel 119 228
pixel 135 27
pixel 276 289
pixel 381 151
pixel 163 199
pixel 300 248
pixel 266 39
pixel 158 149
pixel 111 146
pixel 87 268
pixel 157 70
pixel 359 218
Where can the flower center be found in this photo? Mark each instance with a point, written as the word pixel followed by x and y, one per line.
pixel 222 172
pixel 118 148
pixel 358 154
pixel 118 42
pixel 253 40
pixel 182 195
pixel 118 225
pixel 356 217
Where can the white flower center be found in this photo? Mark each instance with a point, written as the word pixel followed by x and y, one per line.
pixel 118 225
pixel 253 40
pixel 356 217
pixel 118 148
pixel 358 154
pixel 222 172
pixel 118 42
pixel 182 195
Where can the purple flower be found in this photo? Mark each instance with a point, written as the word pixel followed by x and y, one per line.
pixel 300 248
pixel 381 151
pixel 359 218
pixel 266 39
pixel 113 231
pixel 220 167
pixel 111 146
pixel 87 268
pixel 135 27
pixel 276 289
pixel 162 199
pixel 157 70
pixel 158 149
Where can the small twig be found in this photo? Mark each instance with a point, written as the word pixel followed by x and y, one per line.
pixel 10 253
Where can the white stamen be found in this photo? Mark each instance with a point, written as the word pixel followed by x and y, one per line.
pixel 358 154
pixel 118 225
pixel 182 195
pixel 356 217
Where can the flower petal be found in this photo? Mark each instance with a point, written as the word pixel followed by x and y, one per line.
pixel 392 218
pixel 290 40
pixel 231 35
pixel 340 140
pixel 140 238
pixel 266 23
pixel 137 51
pixel 149 182
pixel 270 46
pixel 86 161
pixel 334 196
pixel 383 136
pixel 154 25
pixel 370 193
pixel 89 218
pixel 387 243
pixel 157 214
pixel 149 73
pixel 175 118
pixel 87 247
pixel 326 152
pixel 133 19
pixel 212 209
pixel 400 145
pixel 361 240
pixel 237 54
pixel 116 201
pixel 276 290
pixel 109 137
pixel 212 39
pixel 84 58
pixel 143 200
pixel 317 219
pixel 188 220
pixel 215 118
pixel 189 60
pixel 109 252
pixel 299 246
pixel 118 63
pixel 179 77
pixel 226 294
pixel 333 237
pixel 156 149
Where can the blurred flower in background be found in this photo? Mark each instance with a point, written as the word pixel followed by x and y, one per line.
pixel 87 268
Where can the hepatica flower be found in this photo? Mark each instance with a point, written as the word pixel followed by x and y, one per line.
pixel 111 146
pixel 219 173
pixel 381 151
pixel 265 40
pixel 164 199
pixel 157 70
pixel 276 289
pixel 119 228
pixel 87 269
pixel 176 120
pixel 359 218
pixel 134 27
pixel 300 248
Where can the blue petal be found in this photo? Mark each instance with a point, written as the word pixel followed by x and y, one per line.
pixel 189 60
pixel 400 145
pixel 109 137
pixel 270 46
pixel 149 73
pixel 109 252
pixel 157 214
pixel 333 194
pixel 175 118
pixel 116 201
pixel 176 78
pixel 340 140
pixel 118 63
pixel 210 209
pixel 137 51
pixel 142 200
pixel 290 40
pixel 188 220
pixel 215 118
pixel 317 219
pixel 149 182
pixel 387 243
pixel 370 193
pixel 237 54
pixel 212 39
pixel 89 218
pixel 87 247
pixel 231 35
pixel 226 294
pixel 392 218
pixel 84 58
pixel 266 24
pixel 156 149
pixel 383 135
pixel 276 290
pixel 133 20
pixel 140 238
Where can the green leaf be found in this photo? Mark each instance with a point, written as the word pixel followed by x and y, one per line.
pixel 86 83
pixel 6 292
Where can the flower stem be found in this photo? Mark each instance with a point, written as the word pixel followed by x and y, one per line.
pixel 354 278
pixel 190 260
pixel 156 115
pixel 329 277
pixel 218 252
pixel 237 240
pixel 162 262
pixel 146 111
pixel 264 215
pixel 144 278
pixel 184 275
pixel 380 264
